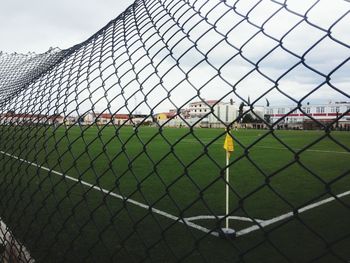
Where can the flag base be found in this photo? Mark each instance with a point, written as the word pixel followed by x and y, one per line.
pixel 227 233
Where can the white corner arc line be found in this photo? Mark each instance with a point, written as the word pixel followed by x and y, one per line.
pixel 240 218
pixel 131 201
pixel 288 215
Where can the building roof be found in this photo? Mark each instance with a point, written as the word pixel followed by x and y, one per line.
pixel 115 116
pixel 210 102
pixel 29 116
pixel 122 116
pixel 328 104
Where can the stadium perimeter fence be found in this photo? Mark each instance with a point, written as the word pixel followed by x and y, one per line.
pixel 91 169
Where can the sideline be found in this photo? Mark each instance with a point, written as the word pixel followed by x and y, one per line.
pixel 125 199
pixel 14 250
pixel 187 221
pixel 288 215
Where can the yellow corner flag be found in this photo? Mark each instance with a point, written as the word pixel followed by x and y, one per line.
pixel 228 144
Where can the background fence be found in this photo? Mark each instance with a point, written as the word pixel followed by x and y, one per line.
pixel 112 150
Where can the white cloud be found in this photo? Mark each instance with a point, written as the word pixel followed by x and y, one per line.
pixel 37 25
pixel 235 42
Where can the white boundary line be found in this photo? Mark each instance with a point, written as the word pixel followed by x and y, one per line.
pixel 187 221
pixel 275 148
pixel 13 249
pixel 288 215
pixel 240 218
pixel 296 149
pixel 131 201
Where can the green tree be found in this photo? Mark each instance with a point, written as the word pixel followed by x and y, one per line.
pixel 267 118
pixel 248 118
pixel 240 112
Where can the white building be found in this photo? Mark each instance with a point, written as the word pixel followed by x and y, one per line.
pixel 324 113
pixel 212 113
pixel 88 118
pixel 223 114
pixel 198 109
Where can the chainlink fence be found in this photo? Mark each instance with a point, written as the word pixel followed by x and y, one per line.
pixel 112 150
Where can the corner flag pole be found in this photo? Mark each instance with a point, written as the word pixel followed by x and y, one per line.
pixel 227 186
pixel 229 147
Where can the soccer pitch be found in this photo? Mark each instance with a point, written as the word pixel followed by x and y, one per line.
pixel 102 192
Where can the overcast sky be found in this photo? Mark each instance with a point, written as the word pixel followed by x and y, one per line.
pixel 36 25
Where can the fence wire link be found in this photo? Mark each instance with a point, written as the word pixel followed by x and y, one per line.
pixel 111 151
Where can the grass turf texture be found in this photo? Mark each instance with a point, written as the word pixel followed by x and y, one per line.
pixel 180 172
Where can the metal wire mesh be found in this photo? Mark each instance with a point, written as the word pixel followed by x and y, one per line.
pixel 112 150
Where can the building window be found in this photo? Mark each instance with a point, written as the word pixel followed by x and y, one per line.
pixel 337 109
pixel 218 112
pixel 269 111
pixel 332 109
pixel 293 111
pixel 308 110
pixel 280 111
pixel 319 109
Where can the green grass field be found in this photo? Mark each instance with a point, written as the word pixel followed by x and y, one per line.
pixel 180 173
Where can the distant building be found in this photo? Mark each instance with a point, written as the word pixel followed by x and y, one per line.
pixel 70 120
pixel 103 118
pixel 88 118
pixel 199 109
pixel 162 116
pixel 121 119
pixel 27 119
pixel 173 118
pixel 323 113
pixel 258 112
pixel 56 119
pixel 141 119
pixel 212 113
pixel 223 115
pixel 116 119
